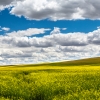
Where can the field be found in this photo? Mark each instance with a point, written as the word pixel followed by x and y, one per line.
pixel 58 81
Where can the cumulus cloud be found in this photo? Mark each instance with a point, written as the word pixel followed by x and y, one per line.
pixel 71 39
pixel 28 32
pixel 57 9
pixel 55 31
pixel 53 9
pixel 6 2
pixel 94 37
pixel 4 29
pixel 53 47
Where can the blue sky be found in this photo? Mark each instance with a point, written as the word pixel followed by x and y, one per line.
pixel 15 23
pixel 43 31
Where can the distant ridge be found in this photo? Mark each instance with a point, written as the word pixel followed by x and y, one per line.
pixel 88 61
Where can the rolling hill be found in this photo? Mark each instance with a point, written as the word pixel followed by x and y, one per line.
pixel 88 61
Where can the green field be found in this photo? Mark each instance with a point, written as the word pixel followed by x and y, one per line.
pixel 73 80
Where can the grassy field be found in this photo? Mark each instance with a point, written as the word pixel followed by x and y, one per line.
pixel 49 82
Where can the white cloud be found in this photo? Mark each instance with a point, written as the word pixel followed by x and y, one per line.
pixel 1 58
pixel 6 4
pixel 55 31
pixel 57 9
pixel 94 37
pixel 54 47
pixel 5 28
pixel 64 28
pixel 28 32
pixel 53 9
pixel 70 39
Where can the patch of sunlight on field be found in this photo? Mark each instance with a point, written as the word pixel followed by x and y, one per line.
pixel 50 83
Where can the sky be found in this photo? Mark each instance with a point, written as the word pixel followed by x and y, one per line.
pixel 36 31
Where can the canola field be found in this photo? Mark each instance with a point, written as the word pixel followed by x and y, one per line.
pixel 50 83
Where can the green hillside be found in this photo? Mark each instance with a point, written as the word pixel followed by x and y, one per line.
pixel 88 61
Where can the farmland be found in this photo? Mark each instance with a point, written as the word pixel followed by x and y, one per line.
pixel 73 80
